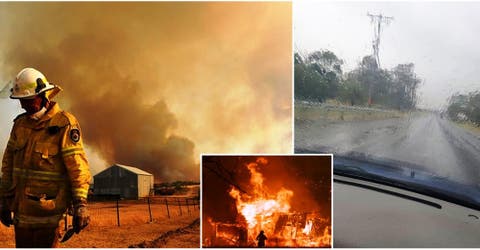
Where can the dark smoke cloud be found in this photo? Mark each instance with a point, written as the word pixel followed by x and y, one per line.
pixel 113 117
pixel 109 104
pixel 152 82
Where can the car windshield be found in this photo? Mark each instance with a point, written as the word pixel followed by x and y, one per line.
pixel 395 85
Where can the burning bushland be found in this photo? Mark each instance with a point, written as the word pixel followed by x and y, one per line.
pixel 286 197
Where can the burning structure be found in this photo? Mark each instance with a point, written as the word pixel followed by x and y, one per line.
pixel 286 197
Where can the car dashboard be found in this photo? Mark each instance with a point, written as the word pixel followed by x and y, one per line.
pixel 370 214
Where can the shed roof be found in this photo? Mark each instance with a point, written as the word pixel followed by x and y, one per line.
pixel 132 169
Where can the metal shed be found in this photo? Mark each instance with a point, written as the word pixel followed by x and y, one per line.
pixel 126 181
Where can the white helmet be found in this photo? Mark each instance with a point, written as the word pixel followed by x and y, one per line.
pixel 30 82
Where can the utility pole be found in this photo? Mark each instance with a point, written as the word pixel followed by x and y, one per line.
pixel 377 21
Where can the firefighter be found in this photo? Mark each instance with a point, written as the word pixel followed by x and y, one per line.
pixel 44 167
pixel 261 238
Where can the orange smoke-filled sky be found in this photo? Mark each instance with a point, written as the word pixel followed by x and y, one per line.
pixel 155 84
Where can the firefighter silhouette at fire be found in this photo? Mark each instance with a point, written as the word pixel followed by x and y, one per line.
pixel 261 239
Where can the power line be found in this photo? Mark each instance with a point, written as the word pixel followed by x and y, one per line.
pixel 223 173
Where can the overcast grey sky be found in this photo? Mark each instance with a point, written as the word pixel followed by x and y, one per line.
pixel 442 39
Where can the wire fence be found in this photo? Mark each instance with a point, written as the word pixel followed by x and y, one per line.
pixel 113 217
pixel 151 209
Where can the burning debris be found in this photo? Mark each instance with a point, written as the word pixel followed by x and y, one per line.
pixel 263 209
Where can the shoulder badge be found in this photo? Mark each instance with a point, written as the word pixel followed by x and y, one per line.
pixel 75 135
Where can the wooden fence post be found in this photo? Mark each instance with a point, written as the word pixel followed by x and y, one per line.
pixel 149 209
pixel 118 213
pixel 168 211
pixel 188 208
pixel 180 206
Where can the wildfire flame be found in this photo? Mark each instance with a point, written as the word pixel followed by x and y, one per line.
pixel 271 212
pixel 308 227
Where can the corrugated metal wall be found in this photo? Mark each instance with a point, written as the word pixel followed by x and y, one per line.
pixel 117 181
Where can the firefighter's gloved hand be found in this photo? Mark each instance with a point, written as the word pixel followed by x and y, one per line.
pixel 5 214
pixel 81 218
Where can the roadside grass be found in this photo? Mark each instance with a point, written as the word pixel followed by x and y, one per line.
pixel 329 112
pixel 470 127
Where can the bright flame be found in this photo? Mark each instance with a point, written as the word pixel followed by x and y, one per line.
pixel 271 212
pixel 308 227
pixel 262 207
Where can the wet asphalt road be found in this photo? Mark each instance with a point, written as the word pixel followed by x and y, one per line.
pixel 424 139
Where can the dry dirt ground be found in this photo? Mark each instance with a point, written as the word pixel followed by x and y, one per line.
pixel 179 238
pixel 135 228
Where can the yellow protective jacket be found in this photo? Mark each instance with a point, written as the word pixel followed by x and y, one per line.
pixel 44 168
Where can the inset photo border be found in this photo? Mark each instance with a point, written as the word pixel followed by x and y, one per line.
pixel 266 200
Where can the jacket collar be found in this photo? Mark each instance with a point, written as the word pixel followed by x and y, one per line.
pixel 53 110
pixel 44 120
